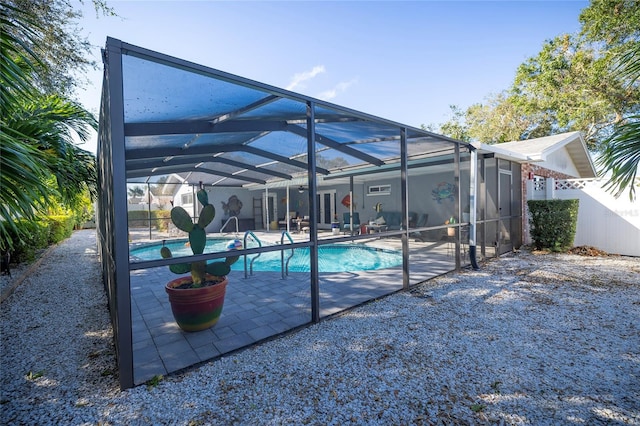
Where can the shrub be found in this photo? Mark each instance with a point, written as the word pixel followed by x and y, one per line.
pixel 32 237
pixel 60 227
pixel 553 223
pixel 159 219
pixel 138 218
pixel 163 219
pixel 83 215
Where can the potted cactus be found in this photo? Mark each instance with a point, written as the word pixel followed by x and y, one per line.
pixel 197 299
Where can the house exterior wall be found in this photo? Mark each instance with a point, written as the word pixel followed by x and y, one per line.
pixel 560 162
pixel 184 189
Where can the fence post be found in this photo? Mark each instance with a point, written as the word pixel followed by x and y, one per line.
pixel 529 188
pixel 530 191
pixel 550 188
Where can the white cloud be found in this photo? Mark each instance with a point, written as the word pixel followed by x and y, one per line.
pixel 304 76
pixel 339 88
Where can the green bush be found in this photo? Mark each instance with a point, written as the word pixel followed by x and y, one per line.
pixel 553 223
pixel 138 219
pixel 82 216
pixel 163 219
pixel 159 219
pixel 32 237
pixel 60 227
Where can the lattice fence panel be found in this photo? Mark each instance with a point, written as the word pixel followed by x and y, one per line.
pixel 571 184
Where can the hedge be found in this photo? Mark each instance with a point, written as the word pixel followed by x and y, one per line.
pixel 60 227
pixel 164 219
pixel 33 237
pixel 553 223
pixel 38 235
pixel 140 219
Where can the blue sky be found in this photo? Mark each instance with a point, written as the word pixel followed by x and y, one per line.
pixel 404 61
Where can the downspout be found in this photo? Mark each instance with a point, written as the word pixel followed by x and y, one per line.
pixel 473 188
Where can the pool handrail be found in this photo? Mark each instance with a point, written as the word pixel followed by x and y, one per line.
pixel 244 245
pixel 227 222
pixel 285 266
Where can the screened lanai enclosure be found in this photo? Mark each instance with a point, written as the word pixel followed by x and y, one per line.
pixel 329 207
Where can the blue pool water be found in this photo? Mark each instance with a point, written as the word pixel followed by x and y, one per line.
pixel 331 258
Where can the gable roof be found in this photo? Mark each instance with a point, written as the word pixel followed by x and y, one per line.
pixel 539 149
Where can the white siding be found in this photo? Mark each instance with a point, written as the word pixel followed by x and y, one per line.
pixel 560 161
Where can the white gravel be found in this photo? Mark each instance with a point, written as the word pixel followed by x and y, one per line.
pixel 530 339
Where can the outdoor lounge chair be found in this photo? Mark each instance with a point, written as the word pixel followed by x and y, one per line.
pixel 346 222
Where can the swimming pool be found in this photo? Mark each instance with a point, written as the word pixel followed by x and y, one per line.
pixel 331 257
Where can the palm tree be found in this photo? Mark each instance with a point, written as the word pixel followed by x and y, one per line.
pixel 36 133
pixel 136 191
pixel 48 124
pixel 621 157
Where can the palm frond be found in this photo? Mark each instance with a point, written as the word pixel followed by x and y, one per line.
pixel 621 158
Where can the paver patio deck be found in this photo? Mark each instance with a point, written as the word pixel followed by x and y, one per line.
pixel 260 306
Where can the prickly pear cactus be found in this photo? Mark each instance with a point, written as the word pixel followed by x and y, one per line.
pixel 181 219
pixel 198 242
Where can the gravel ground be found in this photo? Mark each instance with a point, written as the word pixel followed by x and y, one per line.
pixel 530 339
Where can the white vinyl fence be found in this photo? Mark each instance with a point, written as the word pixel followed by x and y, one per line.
pixel 605 222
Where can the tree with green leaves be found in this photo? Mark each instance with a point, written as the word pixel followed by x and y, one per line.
pixel 570 85
pixel 64 54
pixel 572 82
pixel 455 128
pixel 38 128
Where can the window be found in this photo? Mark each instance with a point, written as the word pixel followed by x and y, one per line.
pixel 504 164
pixel 187 199
pixel 379 190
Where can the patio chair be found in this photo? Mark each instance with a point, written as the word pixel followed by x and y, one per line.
pixel 346 222
pixel 291 218
pixel 303 224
